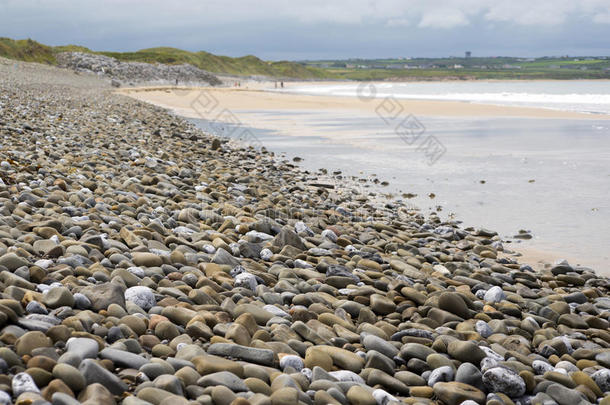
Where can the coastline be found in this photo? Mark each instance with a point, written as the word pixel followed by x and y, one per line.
pixel 180 100
pixel 243 101
pixel 144 260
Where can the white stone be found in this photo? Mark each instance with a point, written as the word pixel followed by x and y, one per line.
pixel 246 280
pixel 141 296
pixel 494 294
pixel 266 254
pixel 382 397
pixel 293 361
pixel 330 235
pixel 346 375
pixel 23 382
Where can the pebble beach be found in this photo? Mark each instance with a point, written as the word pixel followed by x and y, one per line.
pixel 144 261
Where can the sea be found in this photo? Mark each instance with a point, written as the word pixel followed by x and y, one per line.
pixel 549 178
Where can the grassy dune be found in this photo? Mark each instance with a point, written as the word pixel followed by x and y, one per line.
pixel 544 68
pixel 32 51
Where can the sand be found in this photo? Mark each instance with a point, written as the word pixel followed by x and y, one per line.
pixel 182 101
pixel 250 105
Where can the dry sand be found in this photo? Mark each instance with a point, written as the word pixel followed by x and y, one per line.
pixel 187 101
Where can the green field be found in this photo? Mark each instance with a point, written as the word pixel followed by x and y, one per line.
pixel 353 69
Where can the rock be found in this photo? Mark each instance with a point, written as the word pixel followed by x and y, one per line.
pixel 343 359
pixel 483 329
pixel 59 398
pixel 602 379
pixel 346 375
pixel 540 367
pixel 292 361
pixel 573 321
pixel 102 295
pixel 441 374
pixel 141 296
pixel 31 341
pixel 285 396
pixel 372 342
pixel 223 257
pixel 494 294
pixel 357 395
pixel 603 358
pixel 465 351
pixel 55 386
pixel 96 394
pixel 383 398
pixel 81 301
pixel 22 382
pixel 504 380
pixel 318 358
pixel 456 393
pixel 58 297
pixel 70 376
pixel 415 350
pixel 468 373
pixel 94 373
pixel 249 354
pixel 246 280
pixel 382 305
pixel 146 259
pixel 123 359
pixel 169 383
pixel 453 302
pixel 288 237
pixel 224 378
pixel 134 72
pixel 12 262
pixel 565 396
pixel 85 348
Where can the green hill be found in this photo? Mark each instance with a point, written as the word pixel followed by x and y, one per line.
pixel 26 50
pixel 501 68
pixel 32 51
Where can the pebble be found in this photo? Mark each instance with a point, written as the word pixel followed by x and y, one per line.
pixel 157 264
pixel 504 380
pixel 142 296
pixel 23 382
pixel 84 348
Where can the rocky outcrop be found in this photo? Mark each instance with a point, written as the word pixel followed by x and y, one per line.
pixel 135 73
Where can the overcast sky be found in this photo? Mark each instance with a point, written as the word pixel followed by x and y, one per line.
pixel 318 29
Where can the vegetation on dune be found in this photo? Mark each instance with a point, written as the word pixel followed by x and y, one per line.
pixel 26 50
pixel 354 69
pixel 32 51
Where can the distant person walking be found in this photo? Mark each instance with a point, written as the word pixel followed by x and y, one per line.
pixel 282 84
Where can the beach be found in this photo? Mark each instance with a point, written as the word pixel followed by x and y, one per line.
pixel 180 100
pixel 483 143
pixel 144 260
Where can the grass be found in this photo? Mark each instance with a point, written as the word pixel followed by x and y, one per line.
pixel 26 50
pixel 249 65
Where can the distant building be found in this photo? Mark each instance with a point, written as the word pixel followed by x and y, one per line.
pixel 468 54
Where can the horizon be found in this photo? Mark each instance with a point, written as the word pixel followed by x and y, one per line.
pixel 319 30
pixel 349 58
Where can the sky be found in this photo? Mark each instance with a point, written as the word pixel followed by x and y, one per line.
pixel 319 29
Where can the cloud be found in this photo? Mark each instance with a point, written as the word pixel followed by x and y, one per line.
pixel 329 27
pixel 602 18
pixel 443 18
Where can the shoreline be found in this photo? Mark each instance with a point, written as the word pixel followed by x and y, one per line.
pixel 180 100
pixel 539 256
pixel 144 260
